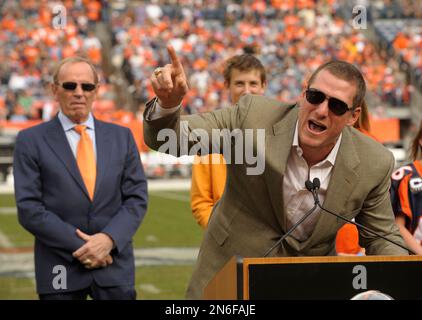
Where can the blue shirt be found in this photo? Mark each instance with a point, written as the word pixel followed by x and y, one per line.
pixel 72 136
pixel 406 196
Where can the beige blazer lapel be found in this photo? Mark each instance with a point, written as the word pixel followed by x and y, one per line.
pixel 278 145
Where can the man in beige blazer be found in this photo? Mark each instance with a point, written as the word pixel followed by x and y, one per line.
pixel 313 138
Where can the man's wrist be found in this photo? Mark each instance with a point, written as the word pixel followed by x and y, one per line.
pixel 165 110
pixel 113 244
pixel 155 111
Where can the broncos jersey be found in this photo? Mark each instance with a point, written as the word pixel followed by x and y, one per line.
pixel 406 196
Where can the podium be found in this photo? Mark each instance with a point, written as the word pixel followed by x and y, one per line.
pixel 308 278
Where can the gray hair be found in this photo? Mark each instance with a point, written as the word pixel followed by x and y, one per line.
pixel 74 60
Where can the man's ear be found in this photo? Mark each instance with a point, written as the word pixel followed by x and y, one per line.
pixel 53 88
pixel 355 114
pixel 226 84
pixel 96 91
pixel 305 84
pixel 264 86
pixel 302 94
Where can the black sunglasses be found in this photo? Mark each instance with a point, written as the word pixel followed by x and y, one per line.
pixel 72 86
pixel 336 106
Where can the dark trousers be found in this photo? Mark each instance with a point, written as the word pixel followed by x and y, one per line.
pixel 95 292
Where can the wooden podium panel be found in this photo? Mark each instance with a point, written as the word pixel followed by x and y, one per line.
pixel 308 278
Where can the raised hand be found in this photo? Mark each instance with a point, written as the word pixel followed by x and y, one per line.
pixel 169 82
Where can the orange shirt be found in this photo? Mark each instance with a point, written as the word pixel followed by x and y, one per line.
pixel 208 182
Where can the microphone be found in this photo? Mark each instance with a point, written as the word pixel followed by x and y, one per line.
pixel 309 185
pixel 316 184
pixel 313 188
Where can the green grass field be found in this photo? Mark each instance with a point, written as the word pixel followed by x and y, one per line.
pixel 168 223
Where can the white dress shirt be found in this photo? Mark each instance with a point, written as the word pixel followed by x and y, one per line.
pixel 297 199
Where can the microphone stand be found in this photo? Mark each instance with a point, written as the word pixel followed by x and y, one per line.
pixel 316 184
pixel 313 188
pixel 291 230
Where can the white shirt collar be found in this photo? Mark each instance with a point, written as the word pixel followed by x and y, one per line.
pixel 68 124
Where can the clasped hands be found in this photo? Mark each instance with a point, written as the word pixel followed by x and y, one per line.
pixel 95 253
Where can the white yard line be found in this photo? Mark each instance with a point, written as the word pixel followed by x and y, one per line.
pixel 23 263
pixel 6 188
pixel 169 184
pixel 4 241
pixel 8 211
pixel 153 185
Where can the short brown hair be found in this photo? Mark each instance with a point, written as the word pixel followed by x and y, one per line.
pixel 243 62
pixel 416 148
pixel 348 72
pixel 74 60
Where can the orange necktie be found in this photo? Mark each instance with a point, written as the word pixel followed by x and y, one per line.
pixel 86 160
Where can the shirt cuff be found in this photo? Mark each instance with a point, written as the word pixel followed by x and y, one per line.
pixel 157 111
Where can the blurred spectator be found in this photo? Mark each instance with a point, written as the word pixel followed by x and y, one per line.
pixel 18 114
pixel 243 74
pixel 289 37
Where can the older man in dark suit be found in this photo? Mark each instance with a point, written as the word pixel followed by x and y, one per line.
pixel 81 191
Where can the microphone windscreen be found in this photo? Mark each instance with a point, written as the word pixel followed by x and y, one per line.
pixel 309 185
pixel 316 183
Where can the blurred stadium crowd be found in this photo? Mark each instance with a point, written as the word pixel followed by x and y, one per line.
pixel 126 40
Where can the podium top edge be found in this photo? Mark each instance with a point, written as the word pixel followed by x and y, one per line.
pixel 328 259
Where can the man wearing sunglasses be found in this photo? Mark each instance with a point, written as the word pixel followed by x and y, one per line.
pixel 81 191
pixel 314 138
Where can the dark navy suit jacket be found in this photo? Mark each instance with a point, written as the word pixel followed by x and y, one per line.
pixel 52 202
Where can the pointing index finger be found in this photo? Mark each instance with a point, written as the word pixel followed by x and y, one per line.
pixel 174 58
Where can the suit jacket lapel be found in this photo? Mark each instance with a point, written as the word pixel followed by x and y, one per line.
pixel 278 145
pixel 104 152
pixel 56 139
